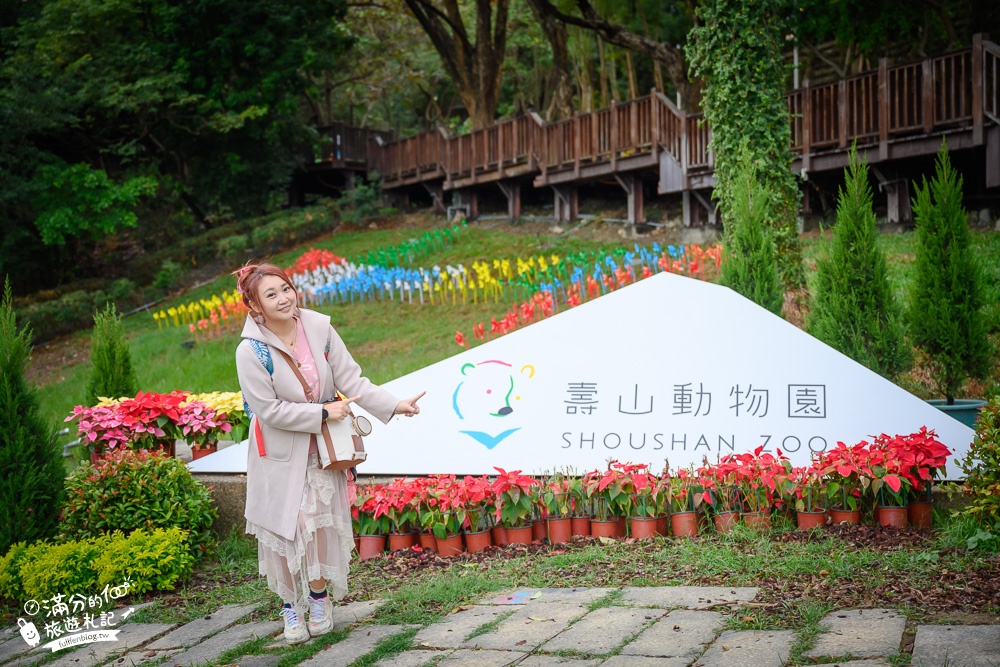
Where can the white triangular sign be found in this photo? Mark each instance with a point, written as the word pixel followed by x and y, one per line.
pixel 670 368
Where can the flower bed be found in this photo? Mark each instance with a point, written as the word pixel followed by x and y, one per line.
pixel 883 472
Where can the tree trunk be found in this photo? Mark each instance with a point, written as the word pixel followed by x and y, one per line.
pixel 560 87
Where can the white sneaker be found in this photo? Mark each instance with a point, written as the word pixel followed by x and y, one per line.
pixel 295 631
pixel 320 616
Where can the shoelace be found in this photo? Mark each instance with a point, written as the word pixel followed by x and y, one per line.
pixel 291 618
pixel 317 607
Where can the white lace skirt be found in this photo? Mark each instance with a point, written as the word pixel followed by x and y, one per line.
pixel 322 545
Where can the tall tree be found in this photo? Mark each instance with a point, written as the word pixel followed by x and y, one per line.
pixel 663 46
pixel 737 50
pixel 561 80
pixel 475 67
pixel 854 309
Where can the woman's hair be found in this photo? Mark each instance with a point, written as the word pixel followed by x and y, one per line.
pixel 248 279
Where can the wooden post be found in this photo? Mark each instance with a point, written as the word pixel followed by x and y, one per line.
pixel 613 139
pixel 634 122
pixel 687 208
pixel 654 129
pixel 927 94
pixel 576 145
pixel 977 89
pixel 500 149
pixel 512 191
pixel 566 203
pixel 842 108
pixel 807 119
pixel 883 109
pixel 632 185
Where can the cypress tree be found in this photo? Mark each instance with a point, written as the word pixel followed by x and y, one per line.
pixel 854 309
pixel 750 266
pixel 945 314
pixel 112 374
pixel 31 470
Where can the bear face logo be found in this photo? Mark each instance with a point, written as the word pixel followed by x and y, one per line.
pixel 487 400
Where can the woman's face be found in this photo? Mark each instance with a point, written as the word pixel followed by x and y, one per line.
pixel 275 300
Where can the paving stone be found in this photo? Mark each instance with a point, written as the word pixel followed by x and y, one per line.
pixel 680 634
pixel 644 661
pixel 14 646
pixel 603 629
pixel 344 616
pixel 860 633
pixel 258 660
pixel 529 595
pixel 956 646
pixel 529 627
pixel 452 631
pixel 477 658
pixel 26 660
pixel 141 657
pixel 131 635
pixel 749 648
pixel 870 662
pixel 556 661
pixel 191 633
pixel 210 649
pixel 410 658
pixel 360 642
pixel 689 597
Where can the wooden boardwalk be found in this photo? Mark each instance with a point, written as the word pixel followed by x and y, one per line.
pixel 893 113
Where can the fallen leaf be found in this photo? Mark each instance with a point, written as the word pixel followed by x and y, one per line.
pixel 464 607
pixel 536 596
pixel 521 643
pixel 725 648
pixel 536 618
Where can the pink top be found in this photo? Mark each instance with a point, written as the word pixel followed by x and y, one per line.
pixel 307 366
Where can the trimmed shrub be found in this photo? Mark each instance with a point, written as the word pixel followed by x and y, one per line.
pixel 111 372
pixel 31 470
pixel 750 266
pixel 128 490
pixel 854 309
pixel 153 561
pixel 946 309
pixel 982 470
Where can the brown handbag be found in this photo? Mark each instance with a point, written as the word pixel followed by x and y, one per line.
pixel 342 447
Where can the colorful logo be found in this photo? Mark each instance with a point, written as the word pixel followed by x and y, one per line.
pixel 487 399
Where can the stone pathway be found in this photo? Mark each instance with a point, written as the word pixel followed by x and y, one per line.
pixel 674 626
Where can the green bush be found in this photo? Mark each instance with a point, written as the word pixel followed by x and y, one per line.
pixel 75 310
pixel 946 308
pixel 750 266
pixel 233 247
pixel 168 275
pixel 111 372
pixel 31 471
pixel 155 560
pixel 854 309
pixel 982 470
pixel 129 490
pixel 360 202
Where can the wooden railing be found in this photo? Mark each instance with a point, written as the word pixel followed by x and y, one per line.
pixel 875 107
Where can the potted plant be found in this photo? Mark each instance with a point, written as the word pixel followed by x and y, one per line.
pixel 723 493
pixel 889 488
pixel 843 468
pixel 476 493
pixel 804 489
pixel 372 529
pixel 447 515
pixel 582 509
pixel 930 458
pixel 683 504
pixel 558 505
pixel 608 495
pixel 401 508
pixel 946 319
pixel 514 499
pixel 642 502
pixel 757 476
pixel 424 501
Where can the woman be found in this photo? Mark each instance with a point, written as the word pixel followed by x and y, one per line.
pixel 299 513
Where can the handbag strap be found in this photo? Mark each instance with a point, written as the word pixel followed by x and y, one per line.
pixel 324 429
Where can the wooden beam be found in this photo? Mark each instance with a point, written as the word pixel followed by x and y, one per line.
pixel 977 89
pixel 883 109
pixel 927 94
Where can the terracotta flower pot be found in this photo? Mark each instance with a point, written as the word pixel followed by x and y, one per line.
pixel 920 514
pixel 475 542
pixel 643 528
pixel 622 526
pixel 724 521
pixel 203 451
pixel 662 525
pixel 500 536
pixel 519 535
pixel 810 520
pixel 450 546
pixel 428 541
pixel 401 541
pixel 684 524
pixel 538 530
pixel 580 525
pixel 892 516
pixel 357 544
pixel 845 516
pixel 560 530
pixel 372 546
pixel 758 520
pixel 607 528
